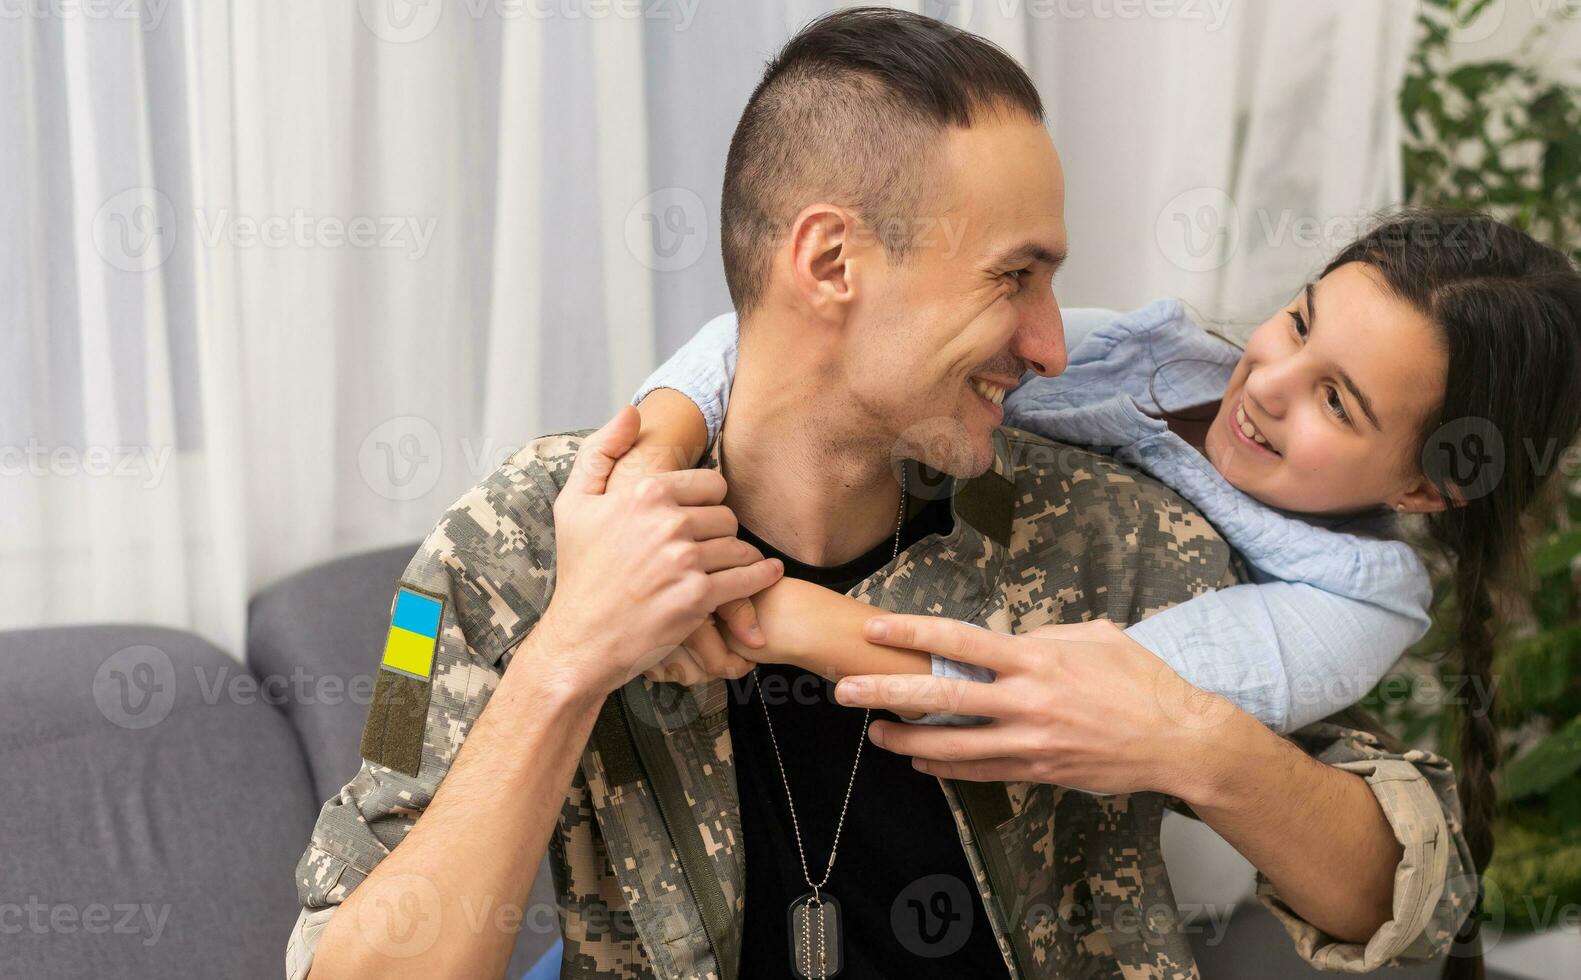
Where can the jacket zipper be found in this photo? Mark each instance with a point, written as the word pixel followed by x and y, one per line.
pixel 687 849
pixel 997 874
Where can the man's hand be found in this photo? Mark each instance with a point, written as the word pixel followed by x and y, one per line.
pixel 1086 706
pixel 641 564
pixel 1081 705
pixel 672 436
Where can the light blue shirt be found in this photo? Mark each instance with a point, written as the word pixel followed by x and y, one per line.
pixel 1332 603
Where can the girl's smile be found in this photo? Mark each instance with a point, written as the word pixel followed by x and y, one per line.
pixel 1248 433
pixel 1324 412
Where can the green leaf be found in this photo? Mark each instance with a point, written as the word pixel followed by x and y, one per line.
pixel 1537 671
pixel 1556 553
pixel 1475 80
pixel 1536 872
pixel 1562 162
pixel 1547 764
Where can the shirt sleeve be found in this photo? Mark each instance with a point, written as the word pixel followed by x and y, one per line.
pixel 1082 320
pixel 702 370
pixel 1434 883
pixel 1287 652
pixel 488 566
pixel 955 670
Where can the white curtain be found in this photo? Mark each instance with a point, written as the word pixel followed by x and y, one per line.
pixel 1222 153
pixel 282 279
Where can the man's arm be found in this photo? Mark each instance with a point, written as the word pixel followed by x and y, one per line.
pixel 1350 835
pixel 1434 883
pixel 425 909
pixel 1316 832
pixel 435 841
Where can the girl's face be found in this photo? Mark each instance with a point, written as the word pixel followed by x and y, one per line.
pixel 1324 410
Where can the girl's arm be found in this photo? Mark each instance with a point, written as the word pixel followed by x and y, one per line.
pixel 820 630
pixel 682 405
pixel 1287 652
pixel 673 435
pixel 702 371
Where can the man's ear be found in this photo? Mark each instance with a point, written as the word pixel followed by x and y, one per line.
pixel 1421 497
pixel 823 247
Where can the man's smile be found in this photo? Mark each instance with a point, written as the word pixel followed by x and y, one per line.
pixel 990 391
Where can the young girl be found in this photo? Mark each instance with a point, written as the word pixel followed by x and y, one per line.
pixel 1431 369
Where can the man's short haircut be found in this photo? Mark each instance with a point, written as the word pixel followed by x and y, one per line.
pixel 852 112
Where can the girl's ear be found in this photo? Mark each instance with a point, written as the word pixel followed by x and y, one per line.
pixel 1421 497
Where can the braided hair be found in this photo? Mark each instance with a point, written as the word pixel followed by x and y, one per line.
pixel 1508 312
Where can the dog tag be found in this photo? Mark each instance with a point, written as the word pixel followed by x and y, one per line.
pixel 815 937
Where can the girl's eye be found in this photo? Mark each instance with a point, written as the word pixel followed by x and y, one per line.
pixel 1299 322
pixel 1337 405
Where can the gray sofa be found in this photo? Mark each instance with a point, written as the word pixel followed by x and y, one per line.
pixel 158 793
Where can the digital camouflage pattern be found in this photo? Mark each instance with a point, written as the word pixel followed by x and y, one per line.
pixel 648 857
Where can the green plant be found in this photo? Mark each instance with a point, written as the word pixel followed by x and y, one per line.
pixel 1503 136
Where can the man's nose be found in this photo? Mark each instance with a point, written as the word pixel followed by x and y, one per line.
pixel 1040 341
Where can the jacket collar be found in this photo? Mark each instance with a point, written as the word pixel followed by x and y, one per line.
pixel 950 575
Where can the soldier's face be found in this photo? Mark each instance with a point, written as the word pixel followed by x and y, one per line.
pixel 939 337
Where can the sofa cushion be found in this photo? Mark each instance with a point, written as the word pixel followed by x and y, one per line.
pixel 314 641
pixel 155 808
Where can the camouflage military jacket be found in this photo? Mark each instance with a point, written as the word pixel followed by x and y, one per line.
pixel 648 856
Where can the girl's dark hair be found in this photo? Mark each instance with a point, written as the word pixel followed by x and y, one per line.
pixel 1508 312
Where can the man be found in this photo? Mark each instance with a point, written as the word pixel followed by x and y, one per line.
pixel 892 221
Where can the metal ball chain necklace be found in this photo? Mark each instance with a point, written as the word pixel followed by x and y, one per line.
pixel 816 939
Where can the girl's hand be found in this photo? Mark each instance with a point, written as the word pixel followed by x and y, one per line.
pixel 705 655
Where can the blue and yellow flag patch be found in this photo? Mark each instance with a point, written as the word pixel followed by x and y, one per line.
pixel 414 634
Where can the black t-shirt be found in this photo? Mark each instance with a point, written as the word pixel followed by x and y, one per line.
pixel 909 907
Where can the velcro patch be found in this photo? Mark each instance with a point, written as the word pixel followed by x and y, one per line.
pixel 398 717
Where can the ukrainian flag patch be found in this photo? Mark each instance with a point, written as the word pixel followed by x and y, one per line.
pixel 414 633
